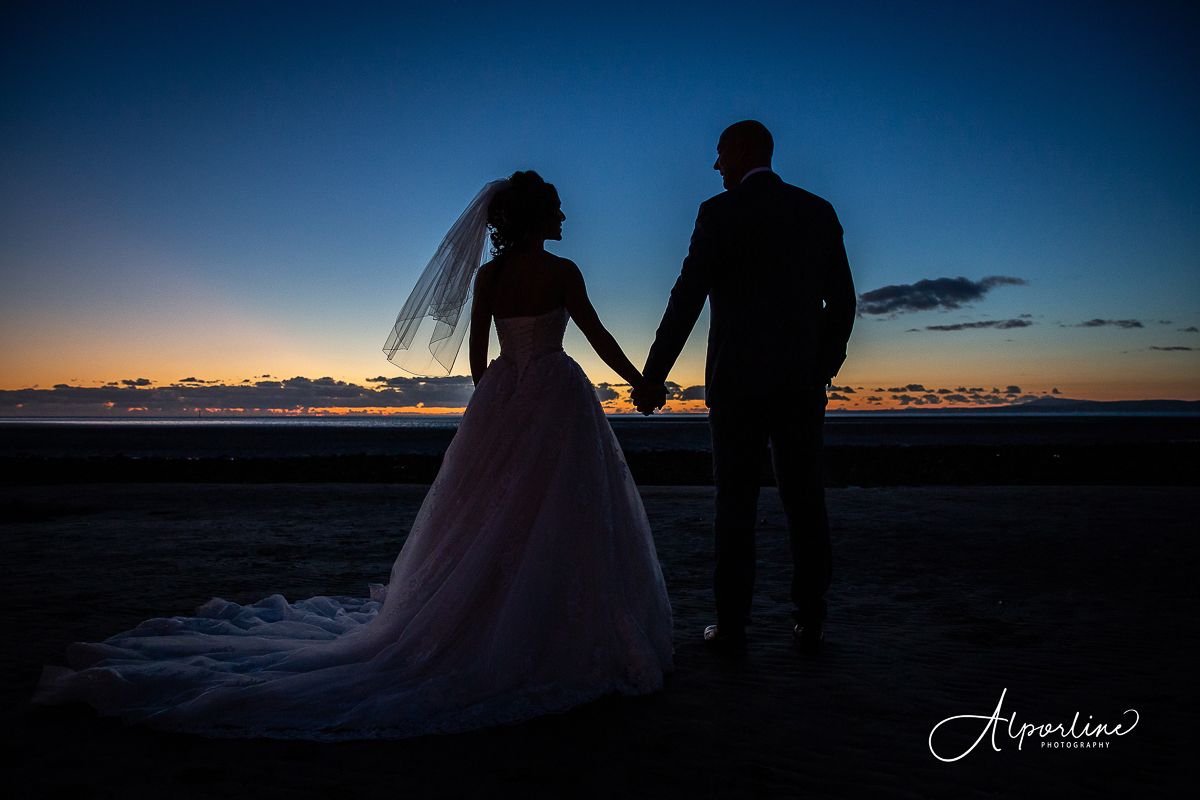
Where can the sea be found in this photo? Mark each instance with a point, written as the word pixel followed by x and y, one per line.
pixel 298 437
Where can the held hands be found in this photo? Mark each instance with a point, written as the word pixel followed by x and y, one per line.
pixel 647 397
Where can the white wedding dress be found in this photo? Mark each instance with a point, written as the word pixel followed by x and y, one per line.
pixel 528 584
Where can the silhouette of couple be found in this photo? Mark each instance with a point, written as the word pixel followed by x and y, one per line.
pixel 769 259
pixel 529 582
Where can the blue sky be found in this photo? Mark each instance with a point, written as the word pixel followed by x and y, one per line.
pixel 232 189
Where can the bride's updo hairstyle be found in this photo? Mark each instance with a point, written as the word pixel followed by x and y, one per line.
pixel 523 210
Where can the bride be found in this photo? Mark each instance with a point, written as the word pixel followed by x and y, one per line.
pixel 528 584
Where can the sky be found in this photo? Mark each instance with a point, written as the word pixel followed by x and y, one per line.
pixel 243 194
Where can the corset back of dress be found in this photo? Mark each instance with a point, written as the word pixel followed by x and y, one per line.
pixel 524 338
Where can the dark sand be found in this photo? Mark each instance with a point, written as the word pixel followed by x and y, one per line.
pixel 1072 598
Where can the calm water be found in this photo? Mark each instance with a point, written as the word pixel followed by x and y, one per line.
pixel 297 437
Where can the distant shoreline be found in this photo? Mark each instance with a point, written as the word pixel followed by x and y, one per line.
pixel 1041 407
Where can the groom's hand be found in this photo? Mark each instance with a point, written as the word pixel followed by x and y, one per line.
pixel 647 398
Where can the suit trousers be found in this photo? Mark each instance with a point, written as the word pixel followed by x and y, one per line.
pixel 741 433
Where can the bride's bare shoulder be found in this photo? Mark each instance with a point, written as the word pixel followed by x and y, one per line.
pixel 487 269
pixel 565 263
pixel 485 277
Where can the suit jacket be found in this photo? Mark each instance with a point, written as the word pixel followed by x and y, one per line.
pixel 769 258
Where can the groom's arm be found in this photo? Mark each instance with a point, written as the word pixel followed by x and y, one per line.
pixel 687 300
pixel 837 290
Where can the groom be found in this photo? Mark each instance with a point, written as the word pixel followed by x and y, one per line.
pixel 769 258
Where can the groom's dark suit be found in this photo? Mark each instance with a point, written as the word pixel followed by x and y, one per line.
pixel 769 258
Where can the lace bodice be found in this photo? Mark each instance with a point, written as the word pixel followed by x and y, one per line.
pixel 522 338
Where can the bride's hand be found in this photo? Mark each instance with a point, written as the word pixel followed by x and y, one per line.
pixel 647 397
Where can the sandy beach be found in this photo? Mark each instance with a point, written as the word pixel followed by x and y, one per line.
pixel 1071 598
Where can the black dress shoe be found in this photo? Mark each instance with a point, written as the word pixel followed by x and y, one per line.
pixel 724 643
pixel 808 636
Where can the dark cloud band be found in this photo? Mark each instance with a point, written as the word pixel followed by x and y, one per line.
pixel 1001 324
pixel 930 294
pixel 1115 323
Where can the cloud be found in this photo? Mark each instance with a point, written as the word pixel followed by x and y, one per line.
pixel 1002 324
pixel 1119 323
pixel 674 390
pixel 1011 395
pixel 1190 329
pixel 293 395
pixel 381 394
pixel 1175 348
pixel 927 399
pixel 928 294
pixel 263 397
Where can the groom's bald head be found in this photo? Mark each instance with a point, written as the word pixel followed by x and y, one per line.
pixel 751 137
pixel 743 146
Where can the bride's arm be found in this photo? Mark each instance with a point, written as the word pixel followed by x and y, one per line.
pixel 581 310
pixel 481 322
